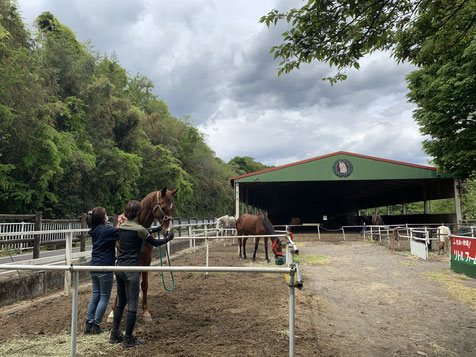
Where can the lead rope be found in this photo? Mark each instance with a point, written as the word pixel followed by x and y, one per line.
pixel 162 273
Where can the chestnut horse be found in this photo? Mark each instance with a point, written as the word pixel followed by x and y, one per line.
pixel 158 205
pixel 250 224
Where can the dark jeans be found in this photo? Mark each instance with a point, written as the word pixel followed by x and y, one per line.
pixel 128 287
pixel 102 286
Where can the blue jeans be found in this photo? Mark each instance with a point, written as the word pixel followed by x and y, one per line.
pixel 102 286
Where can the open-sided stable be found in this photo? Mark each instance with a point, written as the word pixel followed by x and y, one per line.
pixel 336 186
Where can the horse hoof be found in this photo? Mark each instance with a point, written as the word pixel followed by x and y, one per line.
pixel 147 318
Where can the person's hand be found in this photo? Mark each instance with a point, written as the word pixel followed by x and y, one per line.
pixel 121 219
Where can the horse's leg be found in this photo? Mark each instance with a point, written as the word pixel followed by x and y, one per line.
pixel 244 247
pixel 145 286
pixel 256 248
pixel 266 248
pixel 239 246
pixel 110 317
pixel 145 259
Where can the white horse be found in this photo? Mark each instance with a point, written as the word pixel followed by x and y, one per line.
pixel 443 233
pixel 224 224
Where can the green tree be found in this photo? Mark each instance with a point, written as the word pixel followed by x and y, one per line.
pixel 445 93
pixel 468 200
pixel 341 32
pixel 245 164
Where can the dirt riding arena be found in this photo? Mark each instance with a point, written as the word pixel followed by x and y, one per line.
pixel 358 300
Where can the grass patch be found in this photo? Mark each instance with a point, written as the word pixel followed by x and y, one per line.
pixel 58 345
pixel 311 259
pixel 409 264
pixel 452 282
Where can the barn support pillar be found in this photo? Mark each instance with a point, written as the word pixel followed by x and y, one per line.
pixel 457 187
pixel 425 201
pixel 237 200
pixel 404 208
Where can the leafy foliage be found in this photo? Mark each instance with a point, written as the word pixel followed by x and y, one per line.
pixel 445 94
pixel 245 164
pixel 341 32
pixel 77 132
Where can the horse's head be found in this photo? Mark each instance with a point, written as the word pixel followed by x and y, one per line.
pixel 278 252
pixel 164 209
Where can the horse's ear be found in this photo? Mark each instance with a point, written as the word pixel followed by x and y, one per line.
pixel 173 193
pixel 163 191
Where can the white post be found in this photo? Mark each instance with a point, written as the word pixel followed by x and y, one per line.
pixel 74 313
pixel 206 240
pixel 343 232
pixel 189 228
pixel 379 235
pixel 287 255
pixel 319 232
pixel 68 259
pixel 291 314
pixel 237 200
pixel 371 234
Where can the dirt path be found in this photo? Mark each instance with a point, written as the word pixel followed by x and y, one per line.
pixel 358 300
pixel 374 303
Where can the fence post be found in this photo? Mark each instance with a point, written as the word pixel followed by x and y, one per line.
pixel 68 258
pixel 180 226
pixel 74 313
pixel 83 234
pixel 37 237
pixel 206 240
pixel 343 232
pixel 291 314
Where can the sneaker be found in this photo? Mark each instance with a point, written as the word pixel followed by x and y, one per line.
pixel 131 341
pixel 87 328
pixel 116 337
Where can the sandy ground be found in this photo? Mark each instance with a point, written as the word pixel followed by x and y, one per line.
pixel 358 300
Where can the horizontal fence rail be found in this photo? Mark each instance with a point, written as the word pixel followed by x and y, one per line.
pixel 69 268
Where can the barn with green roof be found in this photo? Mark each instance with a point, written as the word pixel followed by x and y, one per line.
pixel 339 185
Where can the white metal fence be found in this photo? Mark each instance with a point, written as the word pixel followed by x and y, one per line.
pixel 292 270
pixel 27 227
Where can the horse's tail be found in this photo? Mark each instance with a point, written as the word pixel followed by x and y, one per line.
pixel 268 226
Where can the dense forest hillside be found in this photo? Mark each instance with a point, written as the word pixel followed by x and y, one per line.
pixel 78 131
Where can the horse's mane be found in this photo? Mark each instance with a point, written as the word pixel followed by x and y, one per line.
pixel 267 225
pixel 146 217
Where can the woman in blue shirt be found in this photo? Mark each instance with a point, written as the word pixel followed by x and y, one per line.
pixel 103 254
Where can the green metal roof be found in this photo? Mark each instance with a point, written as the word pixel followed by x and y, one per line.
pixel 326 168
pixel 340 183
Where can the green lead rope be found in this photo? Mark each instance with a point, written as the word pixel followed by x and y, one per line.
pixel 171 273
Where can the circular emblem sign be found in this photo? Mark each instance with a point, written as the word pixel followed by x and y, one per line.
pixel 342 168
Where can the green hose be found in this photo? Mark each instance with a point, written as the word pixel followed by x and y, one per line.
pixel 171 273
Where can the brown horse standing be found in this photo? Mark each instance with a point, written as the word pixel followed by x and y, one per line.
pixel 158 205
pixel 250 224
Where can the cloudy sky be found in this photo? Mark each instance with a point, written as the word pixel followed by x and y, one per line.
pixel 209 61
